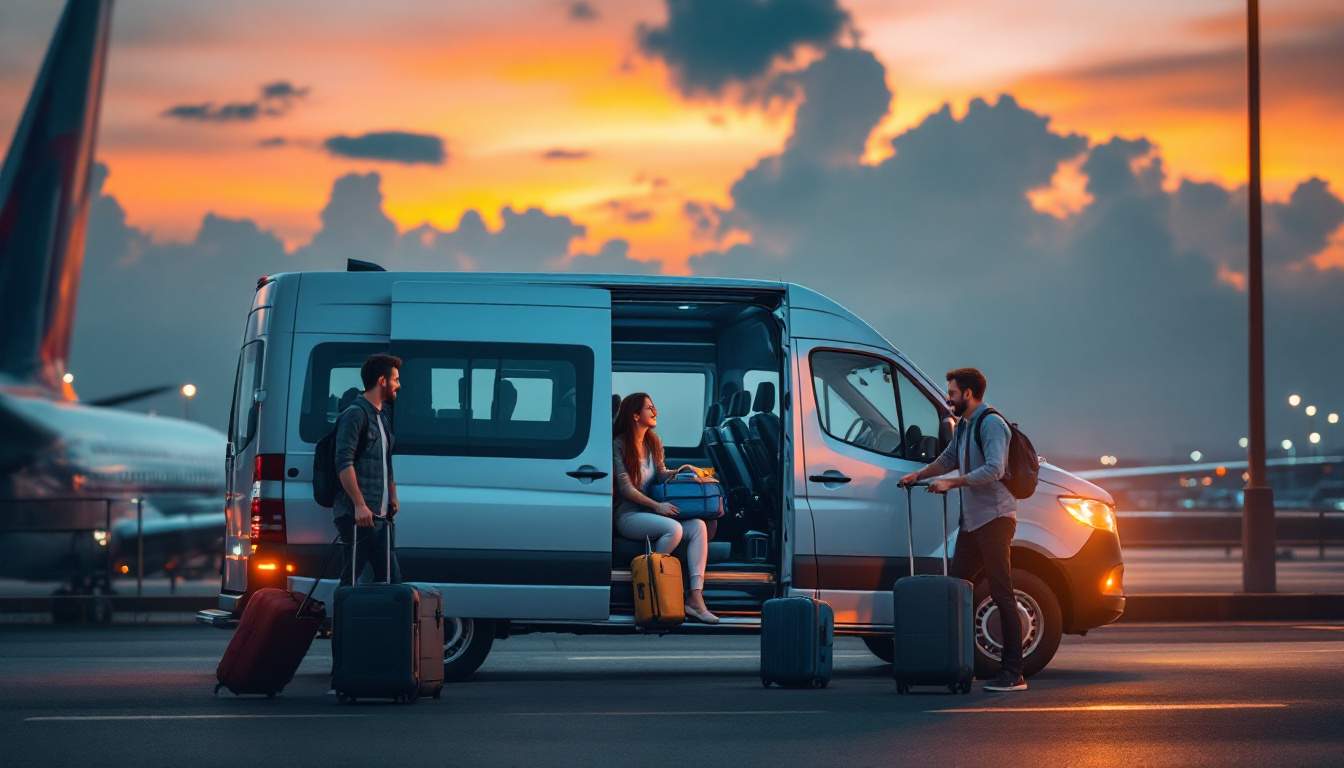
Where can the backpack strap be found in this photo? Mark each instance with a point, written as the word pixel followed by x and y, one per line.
pixel 980 441
pixel 360 443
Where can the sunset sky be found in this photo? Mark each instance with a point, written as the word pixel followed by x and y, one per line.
pixel 504 84
pixel 1076 169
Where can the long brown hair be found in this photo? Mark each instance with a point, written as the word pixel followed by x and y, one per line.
pixel 623 426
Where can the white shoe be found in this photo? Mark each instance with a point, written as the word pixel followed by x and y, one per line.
pixel 704 617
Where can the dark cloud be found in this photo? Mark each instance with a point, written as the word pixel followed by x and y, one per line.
pixel 272 141
pixel 629 211
pixel 711 44
pixel 390 146
pixel 562 153
pixel 582 11
pixel 275 99
pixel 201 287
pixel 1109 331
pixel 703 218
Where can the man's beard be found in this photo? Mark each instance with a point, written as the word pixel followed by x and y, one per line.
pixel 959 408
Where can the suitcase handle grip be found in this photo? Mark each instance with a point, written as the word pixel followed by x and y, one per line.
pixel 354 545
pixel 910 525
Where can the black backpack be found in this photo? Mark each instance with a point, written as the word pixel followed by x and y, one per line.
pixel 325 481
pixel 1024 466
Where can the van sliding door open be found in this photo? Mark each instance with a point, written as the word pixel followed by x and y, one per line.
pixel 503 454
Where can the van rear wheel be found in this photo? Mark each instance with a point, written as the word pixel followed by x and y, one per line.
pixel 1042 625
pixel 466 643
pixel 882 648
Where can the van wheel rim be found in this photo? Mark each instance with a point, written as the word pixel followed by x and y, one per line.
pixel 988 635
pixel 457 635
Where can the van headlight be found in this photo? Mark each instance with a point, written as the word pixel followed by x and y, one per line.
pixel 1090 512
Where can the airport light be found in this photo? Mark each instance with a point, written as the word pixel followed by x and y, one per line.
pixel 1294 400
pixel 1243 442
pixel 1196 455
pixel 1333 418
pixel 1314 438
pixel 188 392
pixel 68 378
pixel 1287 444
pixel 1310 410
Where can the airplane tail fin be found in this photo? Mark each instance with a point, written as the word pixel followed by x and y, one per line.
pixel 44 198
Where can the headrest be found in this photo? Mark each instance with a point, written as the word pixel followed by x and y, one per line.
pixel 765 397
pixel 506 401
pixel 714 416
pixel 741 405
pixel 347 398
pixel 727 391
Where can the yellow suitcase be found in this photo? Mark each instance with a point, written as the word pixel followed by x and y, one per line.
pixel 656 580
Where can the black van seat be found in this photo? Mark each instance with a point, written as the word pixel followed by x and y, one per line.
pixel 624 550
pixel 738 442
pixel 764 423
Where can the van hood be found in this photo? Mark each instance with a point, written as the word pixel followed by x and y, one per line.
pixel 1071 484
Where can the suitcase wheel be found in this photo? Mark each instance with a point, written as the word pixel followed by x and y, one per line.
pixel 217 687
pixel 765 683
pixel 902 688
pixel 965 686
pixel 271 694
pixel 438 694
pixel 342 698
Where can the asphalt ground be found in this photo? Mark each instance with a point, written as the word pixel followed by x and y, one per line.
pixel 1217 695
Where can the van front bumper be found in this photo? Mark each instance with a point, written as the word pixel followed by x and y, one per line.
pixel 1092 603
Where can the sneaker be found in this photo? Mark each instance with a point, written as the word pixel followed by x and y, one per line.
pixel 1006 682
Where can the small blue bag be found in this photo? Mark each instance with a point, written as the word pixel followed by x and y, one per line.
pixel 693 497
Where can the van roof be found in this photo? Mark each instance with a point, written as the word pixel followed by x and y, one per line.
pixel 570 278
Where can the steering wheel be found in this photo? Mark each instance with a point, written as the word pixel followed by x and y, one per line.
pixel 859 437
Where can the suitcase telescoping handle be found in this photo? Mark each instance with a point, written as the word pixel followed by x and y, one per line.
pixel 910 525
pixel 354 545
pixel 304 603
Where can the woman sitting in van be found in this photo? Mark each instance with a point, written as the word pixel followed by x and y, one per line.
pixel 637 456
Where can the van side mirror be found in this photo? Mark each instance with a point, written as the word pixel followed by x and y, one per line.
pixel 946 428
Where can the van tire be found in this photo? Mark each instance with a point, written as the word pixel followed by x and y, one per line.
pixel 1043 603
pixel 882 647
pixel 466 643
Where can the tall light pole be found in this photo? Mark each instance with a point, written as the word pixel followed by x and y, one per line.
pixel 1257 519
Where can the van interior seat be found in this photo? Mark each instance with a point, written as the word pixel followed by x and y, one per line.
pixel 738 441
pixel 764 423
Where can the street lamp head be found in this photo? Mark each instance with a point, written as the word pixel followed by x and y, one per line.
pixel 188 391
pixel 1243 442
pixel 68 378
pixel 1196 455
pixel 1287 444
pixel 1311 410
pixel 1314 437
pixel 1294 400
pixel 1333 418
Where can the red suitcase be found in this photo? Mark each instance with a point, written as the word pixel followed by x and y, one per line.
pixel 271 640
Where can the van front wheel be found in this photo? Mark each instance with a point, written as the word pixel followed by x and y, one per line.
pixel 466 643
pixel 1042 625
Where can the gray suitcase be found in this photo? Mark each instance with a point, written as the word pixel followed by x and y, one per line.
pixel 932 625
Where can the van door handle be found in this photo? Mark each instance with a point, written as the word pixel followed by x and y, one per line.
pixel 829 477
pixel 586 474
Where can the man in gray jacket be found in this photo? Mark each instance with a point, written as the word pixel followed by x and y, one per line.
pixel 988 509
pixel 367 498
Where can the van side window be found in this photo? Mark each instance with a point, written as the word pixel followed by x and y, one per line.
pixel 856 400
pixel 514 400
pixel 332 382
pixel 243 419
pixel 679 397
pixel 921 419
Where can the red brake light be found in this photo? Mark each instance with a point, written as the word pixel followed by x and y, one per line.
pixel 268 513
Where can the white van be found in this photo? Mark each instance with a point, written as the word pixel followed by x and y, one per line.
pixel 503 459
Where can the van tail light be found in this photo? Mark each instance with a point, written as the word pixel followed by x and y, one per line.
pixel 268 503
